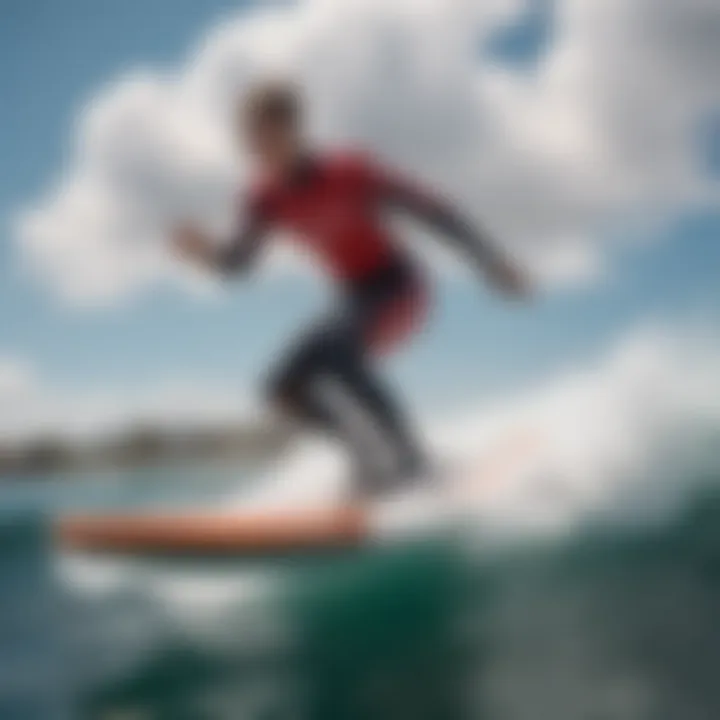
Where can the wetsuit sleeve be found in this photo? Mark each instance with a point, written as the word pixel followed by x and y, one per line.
pixel 395 190
pixel 243 249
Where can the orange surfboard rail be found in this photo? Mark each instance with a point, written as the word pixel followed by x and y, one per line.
pixel 212 533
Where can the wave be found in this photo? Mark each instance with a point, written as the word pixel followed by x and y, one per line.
pixel 617 440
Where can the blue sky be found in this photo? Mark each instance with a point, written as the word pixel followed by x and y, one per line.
pixel 55 57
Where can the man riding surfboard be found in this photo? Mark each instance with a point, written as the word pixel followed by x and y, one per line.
pixel 332 203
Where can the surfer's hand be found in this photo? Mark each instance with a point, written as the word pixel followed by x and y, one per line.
pixel 506 277
pixel 189 243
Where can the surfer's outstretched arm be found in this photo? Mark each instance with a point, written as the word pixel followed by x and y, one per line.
pixel 237 256
pixel 240 254
pixel 443 217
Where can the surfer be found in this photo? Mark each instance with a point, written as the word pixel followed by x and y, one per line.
pixel 332 202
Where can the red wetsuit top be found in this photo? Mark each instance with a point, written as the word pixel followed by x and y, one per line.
pixel 333 208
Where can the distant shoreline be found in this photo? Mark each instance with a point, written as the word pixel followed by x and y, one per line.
pixel 140 446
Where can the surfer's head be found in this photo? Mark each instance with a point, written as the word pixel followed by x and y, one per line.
pixel 270 122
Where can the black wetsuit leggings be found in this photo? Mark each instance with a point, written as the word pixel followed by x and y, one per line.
pixel 328 379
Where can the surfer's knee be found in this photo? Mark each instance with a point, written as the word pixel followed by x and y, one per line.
pixel 283 392
pixel 289 386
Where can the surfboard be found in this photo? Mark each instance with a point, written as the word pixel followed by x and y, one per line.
pixel 213 533
pixel 247 532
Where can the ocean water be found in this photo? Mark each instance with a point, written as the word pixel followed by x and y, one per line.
pixel 616 617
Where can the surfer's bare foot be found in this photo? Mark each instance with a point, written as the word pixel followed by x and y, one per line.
pixel 368 484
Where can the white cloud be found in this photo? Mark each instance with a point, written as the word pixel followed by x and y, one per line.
pixel 15 379
pixel 601 128
pixel 18 395
pixel 31 406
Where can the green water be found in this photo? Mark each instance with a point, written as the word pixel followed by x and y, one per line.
pixel 610 623
pixel 607 626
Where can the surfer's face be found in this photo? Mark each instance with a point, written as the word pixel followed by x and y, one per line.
pixel 274 143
